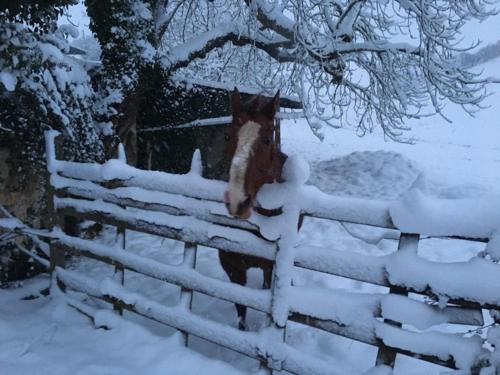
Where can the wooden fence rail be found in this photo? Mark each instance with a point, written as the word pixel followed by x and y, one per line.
pixel 162 204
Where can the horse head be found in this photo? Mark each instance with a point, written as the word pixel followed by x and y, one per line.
pixel 252 153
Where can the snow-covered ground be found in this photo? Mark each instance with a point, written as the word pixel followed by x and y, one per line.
pixel 44 337
pixel 459 160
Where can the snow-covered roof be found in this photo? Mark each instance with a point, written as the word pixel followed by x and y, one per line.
pixel 285 100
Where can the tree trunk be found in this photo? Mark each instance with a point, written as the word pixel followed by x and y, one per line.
pixel 125 129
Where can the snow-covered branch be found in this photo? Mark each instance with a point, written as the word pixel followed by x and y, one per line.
pixel 271 17
pixel 345 57
pixel 199 46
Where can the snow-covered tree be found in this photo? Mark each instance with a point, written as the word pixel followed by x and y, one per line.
pixel 350 61
pixel 41 87
pixel 125 31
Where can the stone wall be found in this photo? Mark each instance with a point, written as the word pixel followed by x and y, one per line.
pixel 21 190
pixel 22 194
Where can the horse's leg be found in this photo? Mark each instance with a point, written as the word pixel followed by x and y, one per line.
pixel 242 316
pixel 239 276
pixel 267 271
pixel 235 268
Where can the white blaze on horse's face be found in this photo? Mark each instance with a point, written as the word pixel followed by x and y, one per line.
pixel 236 199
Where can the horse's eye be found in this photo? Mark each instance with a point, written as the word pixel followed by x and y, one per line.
pixel 267 141
pixel 226 136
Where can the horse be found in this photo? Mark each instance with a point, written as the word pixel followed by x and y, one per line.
pixel 253 159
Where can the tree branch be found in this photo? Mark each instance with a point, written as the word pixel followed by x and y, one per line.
pixel 180 56
pixel 347 19
pixel 271 18
pixel 329 41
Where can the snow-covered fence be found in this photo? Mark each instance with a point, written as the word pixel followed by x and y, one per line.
pixel 189 208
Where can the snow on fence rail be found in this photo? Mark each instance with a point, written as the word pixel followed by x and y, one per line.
pixel 189 208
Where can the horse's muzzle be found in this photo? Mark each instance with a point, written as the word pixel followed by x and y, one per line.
pixel 239 210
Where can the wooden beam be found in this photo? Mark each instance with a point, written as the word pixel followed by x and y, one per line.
pixel 217 242
pixel 123 196
pixel 190 281
pixel 366 337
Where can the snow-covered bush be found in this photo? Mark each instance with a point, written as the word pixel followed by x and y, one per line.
pixel 41 88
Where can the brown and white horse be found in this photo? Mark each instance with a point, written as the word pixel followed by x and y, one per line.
pixel 253 159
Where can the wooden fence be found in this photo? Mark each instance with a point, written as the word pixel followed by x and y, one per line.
pixel 188 208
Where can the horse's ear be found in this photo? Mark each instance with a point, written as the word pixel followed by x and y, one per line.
pixel 272 107
pixel 235 101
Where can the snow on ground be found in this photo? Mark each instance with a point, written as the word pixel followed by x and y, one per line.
pixel 458 160
pixel 390 175
pixel 44 336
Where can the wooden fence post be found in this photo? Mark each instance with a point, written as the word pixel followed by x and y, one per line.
pixel 277 130
pixel 53 149
pixel 279 333
pixel 121 238
pixel 386 355
pixel 281 279
pixel 186 298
